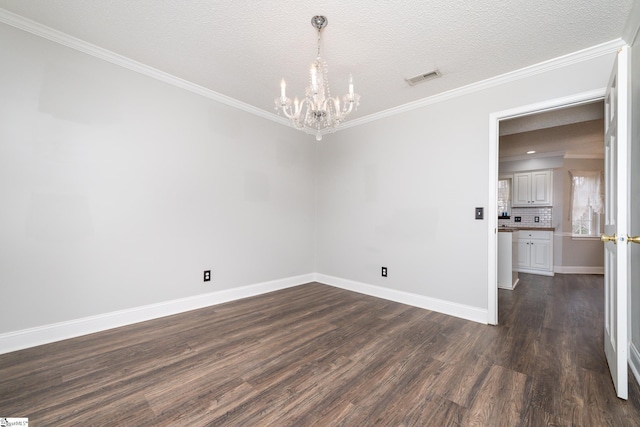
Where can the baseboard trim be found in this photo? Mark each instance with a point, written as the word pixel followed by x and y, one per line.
pixel 26 338
pixel 538 272
pixel 446 307
pixel 513 286
pixel 578 269
pixel 634 361
pixel 18 340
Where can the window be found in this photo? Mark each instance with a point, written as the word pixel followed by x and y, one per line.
pixel 504 197
pixel 586 203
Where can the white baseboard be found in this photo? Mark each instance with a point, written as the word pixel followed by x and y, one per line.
pixel 475 314
pixel 512 286
pixel 634 361
pixel 31 337
pixel 18 340
pixel 538 272
pixel 578 269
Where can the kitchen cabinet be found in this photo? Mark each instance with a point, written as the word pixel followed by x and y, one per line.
pixel 532 188
pixel 535 252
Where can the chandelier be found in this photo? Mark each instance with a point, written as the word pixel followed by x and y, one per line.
pixel 317 111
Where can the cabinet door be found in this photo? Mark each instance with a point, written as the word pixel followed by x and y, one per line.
pixel 541 188
pixel 540 254
pixel 523 254
pixel 522 189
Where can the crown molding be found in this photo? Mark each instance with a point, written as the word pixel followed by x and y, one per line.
pixel 542 67
pixel 533 156
pixel 64 39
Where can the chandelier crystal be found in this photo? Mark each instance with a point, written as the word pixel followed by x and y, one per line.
pixel 317 112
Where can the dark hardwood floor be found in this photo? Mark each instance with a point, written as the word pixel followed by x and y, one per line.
pixel 314 355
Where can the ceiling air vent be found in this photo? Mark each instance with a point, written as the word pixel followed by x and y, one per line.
pixel 423 77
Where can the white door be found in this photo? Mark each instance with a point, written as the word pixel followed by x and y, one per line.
pixel 541 188
pixel 615 229
pixel 521 189
pixel 523 259
pixel 541 254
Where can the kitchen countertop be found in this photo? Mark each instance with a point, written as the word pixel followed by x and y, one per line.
pixel 512 229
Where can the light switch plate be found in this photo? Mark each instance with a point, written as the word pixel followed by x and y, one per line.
pixel 479 213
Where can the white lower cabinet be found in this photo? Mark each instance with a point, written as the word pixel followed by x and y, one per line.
pixel 535 252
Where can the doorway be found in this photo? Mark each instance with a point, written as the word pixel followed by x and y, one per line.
pixel 494 131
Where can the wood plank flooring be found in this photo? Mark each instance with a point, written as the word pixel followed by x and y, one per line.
pixel 314 355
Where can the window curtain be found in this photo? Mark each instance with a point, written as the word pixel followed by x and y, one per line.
pixel 586 190
pixel 504 195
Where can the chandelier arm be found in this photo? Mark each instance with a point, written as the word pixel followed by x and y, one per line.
pixel 333 112
pixel 348 108
pixel 286 110
pixel 306 104
pixel 306 111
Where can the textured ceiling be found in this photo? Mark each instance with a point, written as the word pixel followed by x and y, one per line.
pixel 242 49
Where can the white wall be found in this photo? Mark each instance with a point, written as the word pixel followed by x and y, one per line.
pixel 400 192
pixel 117 190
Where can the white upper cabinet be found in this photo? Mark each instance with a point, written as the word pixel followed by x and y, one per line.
pixel 533 188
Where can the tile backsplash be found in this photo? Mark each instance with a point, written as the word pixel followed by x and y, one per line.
pixel 528 217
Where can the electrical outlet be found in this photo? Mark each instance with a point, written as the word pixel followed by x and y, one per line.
pixel 384 271
pixel 536 219
pixel 517 219
pixel 207 275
